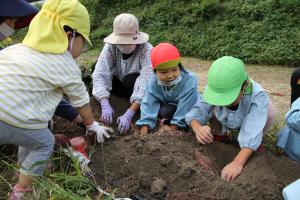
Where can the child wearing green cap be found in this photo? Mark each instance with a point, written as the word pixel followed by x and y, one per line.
pixel 34 76
pixel 170 94
pixel 238 103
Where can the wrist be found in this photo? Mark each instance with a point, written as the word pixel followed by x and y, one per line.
pixel 196 126
pixel 130 113
pixel 89 123
pixel 104 102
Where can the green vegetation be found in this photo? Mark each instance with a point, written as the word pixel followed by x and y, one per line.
pixel 257 31
pixel 63 180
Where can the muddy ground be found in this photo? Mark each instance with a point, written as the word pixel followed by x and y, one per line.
pixel 177 167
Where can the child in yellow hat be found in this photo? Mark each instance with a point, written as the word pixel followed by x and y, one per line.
pixel 170 94
pixel 34 75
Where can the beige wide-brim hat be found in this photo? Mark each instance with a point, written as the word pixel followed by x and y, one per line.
pixel 126 31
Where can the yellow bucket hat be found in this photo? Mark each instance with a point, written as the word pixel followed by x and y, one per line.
pixel 46 32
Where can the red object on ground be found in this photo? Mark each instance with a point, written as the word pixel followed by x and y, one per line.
pixel 221 138
pixel 79 144
pixel 261 149
pixel 203 160
pixel 280 94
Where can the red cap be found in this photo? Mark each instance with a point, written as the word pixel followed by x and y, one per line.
pixel 164 56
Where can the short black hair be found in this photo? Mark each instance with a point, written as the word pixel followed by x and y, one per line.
pixel 68 28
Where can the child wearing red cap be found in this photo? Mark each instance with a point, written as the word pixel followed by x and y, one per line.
pixel 170 94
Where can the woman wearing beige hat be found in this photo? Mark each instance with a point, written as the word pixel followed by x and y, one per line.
pixel 123 69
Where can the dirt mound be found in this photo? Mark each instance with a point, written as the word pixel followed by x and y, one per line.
pixel 168 167
pixel 177 167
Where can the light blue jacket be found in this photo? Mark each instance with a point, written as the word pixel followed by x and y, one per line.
pixel 289 137
pixel 183 95
pixel 250 117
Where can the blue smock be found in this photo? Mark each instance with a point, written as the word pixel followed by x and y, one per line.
pixel 289 137
pixel 250 117
pixel 183 95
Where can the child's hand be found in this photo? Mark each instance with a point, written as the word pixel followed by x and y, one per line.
pixel 144 130
pixel 231 171
pixel 203 133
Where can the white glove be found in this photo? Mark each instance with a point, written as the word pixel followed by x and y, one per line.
pixel 82 160
pixel 100 131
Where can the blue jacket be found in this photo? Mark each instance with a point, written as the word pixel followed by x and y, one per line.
pixel 250 117
pixel 289 137
pixel 183 95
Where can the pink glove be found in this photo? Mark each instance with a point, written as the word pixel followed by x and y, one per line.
pixel 107 111
pixel 124 121
pixel 101 131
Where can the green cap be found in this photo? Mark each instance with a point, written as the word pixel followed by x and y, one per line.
pixel 225 79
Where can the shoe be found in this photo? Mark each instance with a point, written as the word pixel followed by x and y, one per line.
pixel 18 192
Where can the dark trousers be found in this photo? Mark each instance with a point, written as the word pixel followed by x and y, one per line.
pixel 125 88
pixel 66 111
pixel 166 112
pixel 295 86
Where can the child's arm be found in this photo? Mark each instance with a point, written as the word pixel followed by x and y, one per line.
pixel 86 114
pixel 203 133
pixel 293 116
pixel 234 169
pixel 150 106
pixel 188 95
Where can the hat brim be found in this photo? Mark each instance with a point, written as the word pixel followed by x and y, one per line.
pixel 21 9
pixel 220 99
pixel 136 39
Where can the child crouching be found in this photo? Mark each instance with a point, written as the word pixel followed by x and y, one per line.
pixel 170 94
pixel 237 102
pixel 289 137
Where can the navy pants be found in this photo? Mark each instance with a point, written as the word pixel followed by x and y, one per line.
pixel 66 111
pixel 166 112
pixel 125 88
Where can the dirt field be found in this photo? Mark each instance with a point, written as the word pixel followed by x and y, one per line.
pixel 156 167
pixel 177 167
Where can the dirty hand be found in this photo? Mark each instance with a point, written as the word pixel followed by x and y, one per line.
pixel 106 112
pixel 101 131
pixel 124 121
pixel 203 135
pixel 231 171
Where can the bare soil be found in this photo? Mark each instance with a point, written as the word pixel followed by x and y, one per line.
pixel 177 167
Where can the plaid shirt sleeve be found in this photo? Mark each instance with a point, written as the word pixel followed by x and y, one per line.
pixel 103 73
pixel 146 73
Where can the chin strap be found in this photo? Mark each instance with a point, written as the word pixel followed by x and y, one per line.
pixel 72 41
